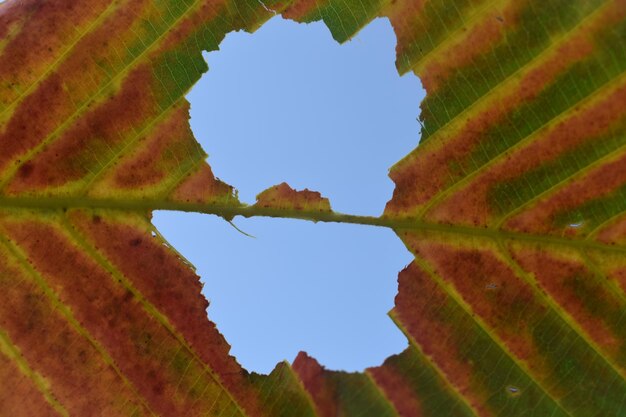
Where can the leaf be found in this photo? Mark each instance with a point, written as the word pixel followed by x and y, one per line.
pixel 513 205
pixel 283 197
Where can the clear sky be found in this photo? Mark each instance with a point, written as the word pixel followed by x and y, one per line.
pixel 290 104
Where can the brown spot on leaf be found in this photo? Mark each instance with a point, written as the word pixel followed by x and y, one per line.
pixel 25 170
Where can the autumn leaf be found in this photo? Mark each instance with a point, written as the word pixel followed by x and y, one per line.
pixel 513 205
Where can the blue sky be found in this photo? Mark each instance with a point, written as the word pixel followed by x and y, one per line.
pixel 290 104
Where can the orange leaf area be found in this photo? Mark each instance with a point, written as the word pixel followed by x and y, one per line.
pixel 284 197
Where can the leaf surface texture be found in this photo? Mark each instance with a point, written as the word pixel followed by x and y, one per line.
pixel 513 205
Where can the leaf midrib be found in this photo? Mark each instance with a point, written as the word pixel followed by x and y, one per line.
pixel 233 209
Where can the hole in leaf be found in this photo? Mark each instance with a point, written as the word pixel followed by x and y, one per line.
pixel 513 391
pixel 290 104
pixel 323 288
